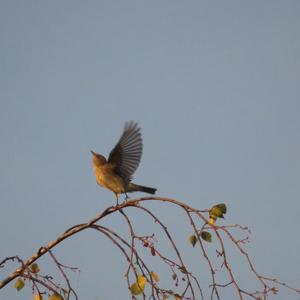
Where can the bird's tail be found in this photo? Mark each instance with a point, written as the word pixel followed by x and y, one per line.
pixel 140 188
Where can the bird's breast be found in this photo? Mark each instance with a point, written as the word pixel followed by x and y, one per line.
pixel 107 178
pixel 99 175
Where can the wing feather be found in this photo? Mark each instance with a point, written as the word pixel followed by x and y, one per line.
pixel 127 154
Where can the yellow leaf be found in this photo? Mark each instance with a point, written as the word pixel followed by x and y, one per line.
pixel 35 268
pixel 154 276
pixel 55 297
pixel 138 287
pixel 38 297
pixel 177 297
pixel 212 220
pixel 19 284
pixel 141 280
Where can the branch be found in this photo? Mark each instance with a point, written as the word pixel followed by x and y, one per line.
pixel 193 288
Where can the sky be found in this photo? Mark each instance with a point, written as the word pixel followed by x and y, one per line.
pixel 214 86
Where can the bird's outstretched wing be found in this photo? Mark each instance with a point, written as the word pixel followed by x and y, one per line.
pixel 127 154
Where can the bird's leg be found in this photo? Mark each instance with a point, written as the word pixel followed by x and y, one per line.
pixel 126 197
pixel 117 198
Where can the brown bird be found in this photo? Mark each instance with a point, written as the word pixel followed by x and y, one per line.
pixel 116 172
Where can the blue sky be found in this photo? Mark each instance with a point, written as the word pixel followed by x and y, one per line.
pixel 215 89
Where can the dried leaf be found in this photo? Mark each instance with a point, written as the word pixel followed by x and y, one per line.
pixel 153 251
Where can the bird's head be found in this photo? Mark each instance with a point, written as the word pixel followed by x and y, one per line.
pixel 98 159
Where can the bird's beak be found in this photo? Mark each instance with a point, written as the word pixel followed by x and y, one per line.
pixel 94 153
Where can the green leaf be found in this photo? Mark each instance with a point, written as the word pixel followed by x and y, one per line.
pixel 193 240
pixel 222 207
pixel 206 236
pixel 217 211
pixel 35 268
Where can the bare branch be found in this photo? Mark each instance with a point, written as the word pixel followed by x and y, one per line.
pixel 192 287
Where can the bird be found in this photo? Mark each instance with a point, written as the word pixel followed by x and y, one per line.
pixel 115 173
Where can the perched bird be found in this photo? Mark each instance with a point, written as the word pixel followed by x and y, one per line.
pixel 116 172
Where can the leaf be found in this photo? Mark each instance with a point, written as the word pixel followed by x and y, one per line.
pixel 193 239
pixel 34 268
pixel 55 296
pixel 206 236
pixel 222 207
pixel 138 287
pixel 154 276
pixel 177 297
pixel 38 297
pixel 212 220
pixel 19 284
pixel 141 280
pixel 217 211
pixel 135 289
